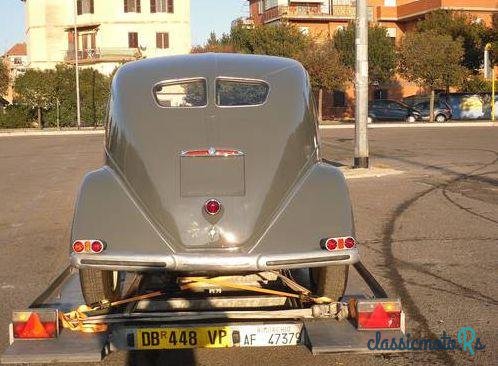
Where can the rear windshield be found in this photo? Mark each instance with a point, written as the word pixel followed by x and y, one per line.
pixel 183 93
pixel 241 92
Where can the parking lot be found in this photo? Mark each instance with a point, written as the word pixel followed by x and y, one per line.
pixel 429 235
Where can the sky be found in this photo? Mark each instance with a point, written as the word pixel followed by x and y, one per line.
pixel 207 16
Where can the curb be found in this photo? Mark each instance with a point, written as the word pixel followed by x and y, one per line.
pixel 413 125
pixel 50 133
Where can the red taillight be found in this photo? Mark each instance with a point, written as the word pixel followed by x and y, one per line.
pixel 78 246
pixel 97 246
pixel 331 244
pixel 212 206
pixel 211 152
pixel 349 243
pixel 379 314
pixel 35 324
pixel 88 246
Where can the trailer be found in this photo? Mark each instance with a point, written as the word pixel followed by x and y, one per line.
pixel 210 315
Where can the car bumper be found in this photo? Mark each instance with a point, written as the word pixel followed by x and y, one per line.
pixel 218 262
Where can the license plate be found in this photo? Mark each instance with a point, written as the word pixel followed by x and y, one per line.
pixel 245 335
pixel 171 338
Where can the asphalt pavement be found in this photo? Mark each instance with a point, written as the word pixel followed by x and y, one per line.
pixel 429 235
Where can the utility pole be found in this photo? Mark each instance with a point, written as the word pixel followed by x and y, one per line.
pixel 361 85
pixel 78 107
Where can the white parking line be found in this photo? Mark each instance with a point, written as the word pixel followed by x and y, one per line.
pixel 13 133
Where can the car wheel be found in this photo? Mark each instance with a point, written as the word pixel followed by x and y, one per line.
pixel 329 281
pixel 99 285
pixel 411 119
pixel 440 118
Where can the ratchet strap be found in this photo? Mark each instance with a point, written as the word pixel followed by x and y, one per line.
pixel 75 320
pixel 303 293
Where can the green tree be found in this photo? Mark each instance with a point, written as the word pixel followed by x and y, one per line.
pixel 35 88
pixel 283 40
pixel 325 69
pixel 215 44
pixel 435 70
pixel 381 52
pixel 4 78
pixel 460 26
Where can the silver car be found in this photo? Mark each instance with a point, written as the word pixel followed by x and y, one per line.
pixel 212 166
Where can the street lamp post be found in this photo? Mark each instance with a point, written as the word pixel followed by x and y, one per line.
pixel 78 108
pixel 361 85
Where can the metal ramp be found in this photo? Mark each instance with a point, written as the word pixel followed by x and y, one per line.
pixel 320 335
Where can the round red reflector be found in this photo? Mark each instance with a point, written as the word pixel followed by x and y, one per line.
pixel 78 247
pixel 212 206
pixel 349 242
pixel 97 246
pixel 331 244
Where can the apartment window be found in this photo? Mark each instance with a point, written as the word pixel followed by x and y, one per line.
pixel 84 6
pixel 162 40
pixel 162 6
pixel 132 6
pixel 341 2
pixel 133 40
pixel 339 98
pixel 389 2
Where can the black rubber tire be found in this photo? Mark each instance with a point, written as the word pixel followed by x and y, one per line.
pixel 440 115
pixel 329 281
pixel 99 285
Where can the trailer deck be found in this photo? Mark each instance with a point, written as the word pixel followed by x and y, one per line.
pixel 220 320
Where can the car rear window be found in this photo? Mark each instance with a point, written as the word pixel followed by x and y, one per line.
pixel 241 92
pixel 181 94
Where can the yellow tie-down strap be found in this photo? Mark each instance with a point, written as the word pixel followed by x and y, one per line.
pixel 75 320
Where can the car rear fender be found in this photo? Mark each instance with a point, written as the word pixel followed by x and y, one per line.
pixel 319 209
pixel 105 211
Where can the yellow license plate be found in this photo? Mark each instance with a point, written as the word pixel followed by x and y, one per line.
pixel 170 338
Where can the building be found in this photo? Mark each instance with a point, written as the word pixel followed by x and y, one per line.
pixel 16 60
pixel 322 18
pixel 109 31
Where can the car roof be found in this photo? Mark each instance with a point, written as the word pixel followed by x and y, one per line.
pixel 208 65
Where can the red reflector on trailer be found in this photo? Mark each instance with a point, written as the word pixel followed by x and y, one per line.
pixel 97 246
pixel 379 314
pixel 88 246
pixel 35 324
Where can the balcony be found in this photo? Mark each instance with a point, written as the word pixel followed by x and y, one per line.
pixel 415 9
pixel 312 12
pixel 90 56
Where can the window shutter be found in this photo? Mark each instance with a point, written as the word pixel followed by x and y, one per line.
pixel 165 40
pixel 91 7
pixel 171 6
pixel 133 40
pixel 79 7
pixel 138 5
pixel 125 6
pixel 158 40
pixel 152 6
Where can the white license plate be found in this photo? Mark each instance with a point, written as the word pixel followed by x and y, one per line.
pixel 285 334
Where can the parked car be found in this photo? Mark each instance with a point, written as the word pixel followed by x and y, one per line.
pixel 391 110
pixel 442 111
pixel 212 166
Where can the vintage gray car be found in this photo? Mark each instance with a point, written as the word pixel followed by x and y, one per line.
pixel 212 166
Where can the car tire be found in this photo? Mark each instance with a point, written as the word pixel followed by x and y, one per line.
pixel 329 281
pixel 440 118
pixel 411 119
pixel 99 285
